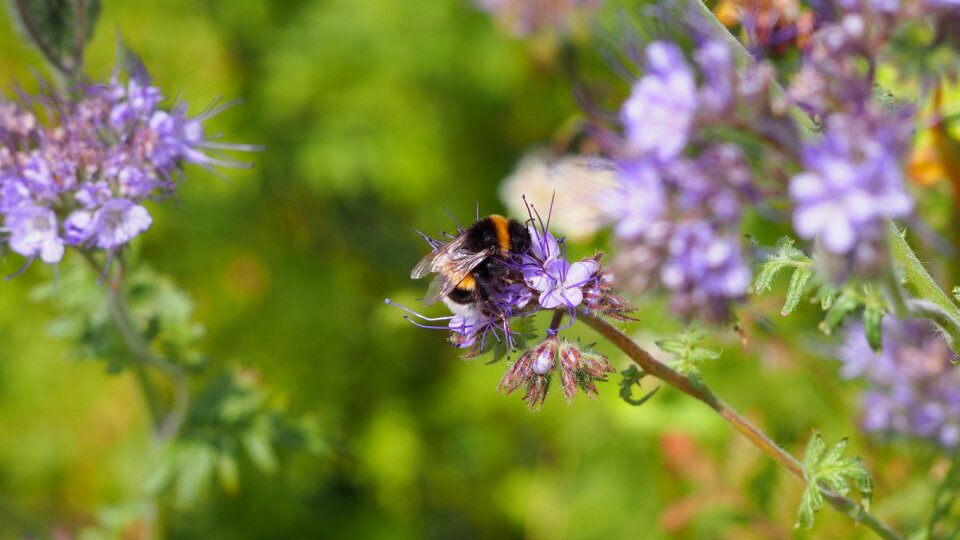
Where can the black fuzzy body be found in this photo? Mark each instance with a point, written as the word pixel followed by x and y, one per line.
pixel 508 237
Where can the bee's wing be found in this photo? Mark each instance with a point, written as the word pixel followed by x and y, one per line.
pixel 433 262
pixel 457 266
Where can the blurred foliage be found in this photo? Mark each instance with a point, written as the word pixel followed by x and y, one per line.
pixel 376 115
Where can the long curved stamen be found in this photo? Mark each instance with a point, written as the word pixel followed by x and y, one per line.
pixel 427 326
pixel 390 302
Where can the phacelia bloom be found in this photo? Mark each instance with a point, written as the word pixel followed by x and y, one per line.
pixel 535 368
pixel 527 17
pixel 660 111
pixel 852 184
pixel 678 229
pixel 913 389
pixel 80 178
pixel 511 287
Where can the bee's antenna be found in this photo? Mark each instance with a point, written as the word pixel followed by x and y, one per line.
pixel 478 210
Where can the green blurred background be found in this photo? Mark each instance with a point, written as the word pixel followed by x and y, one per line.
pixel 377 114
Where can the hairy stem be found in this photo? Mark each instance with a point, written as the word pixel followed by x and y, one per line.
pixel 165 426
pixel 932 303
pixel 701 392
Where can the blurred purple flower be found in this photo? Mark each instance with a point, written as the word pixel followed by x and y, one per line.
pixel 913 387
pixel 678 227
pixel 33 232
pixel 80 178
pixel 659 113
pixel 852 184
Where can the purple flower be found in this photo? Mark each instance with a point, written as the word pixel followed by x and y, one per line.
pixel 561 283
pixel 659 114
pixel 852 184
pixel 716 62
pixel 117 222
pixel 33 232
pixel 138 101
pixel 913 387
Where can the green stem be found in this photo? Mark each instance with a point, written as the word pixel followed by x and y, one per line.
pixel 931 302
pixel 165 426
pixel 702 393
pixel 946 495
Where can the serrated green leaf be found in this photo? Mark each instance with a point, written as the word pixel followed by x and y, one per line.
pixel 836 451
pixel 785 256
pixel 805 513
pixel 827 469
pixel 811 456
pixel 795 291
pixel 687 355
pixel 672 346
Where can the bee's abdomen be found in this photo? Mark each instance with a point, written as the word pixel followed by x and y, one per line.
pixel 465 292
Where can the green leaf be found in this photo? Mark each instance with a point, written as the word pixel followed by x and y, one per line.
pixel 260 451
pixel 229 472
pixel 872 324
pixel 688 356
pixel 796 290
pixel 785 256
pixel 827 469
pixel 59 29
pixel 842 306
pixel 632 377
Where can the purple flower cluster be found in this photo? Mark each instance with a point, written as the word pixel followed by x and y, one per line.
pixel 678 226
pixel 666 105
pixel 852 184
pixel 677 216
pixel 80 179
pixel 853 180
pixel 913 389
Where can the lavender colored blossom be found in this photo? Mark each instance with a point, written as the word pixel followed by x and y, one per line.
pixel 851 185
pixel 660 111
pixel 546 271
pixel 678 227
pixel 80 178
pixel 913 389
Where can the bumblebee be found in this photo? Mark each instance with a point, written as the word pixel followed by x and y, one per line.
pixel 472 265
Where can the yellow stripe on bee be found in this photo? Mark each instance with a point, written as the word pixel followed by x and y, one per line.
pixel 501 225
pixel 467 283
